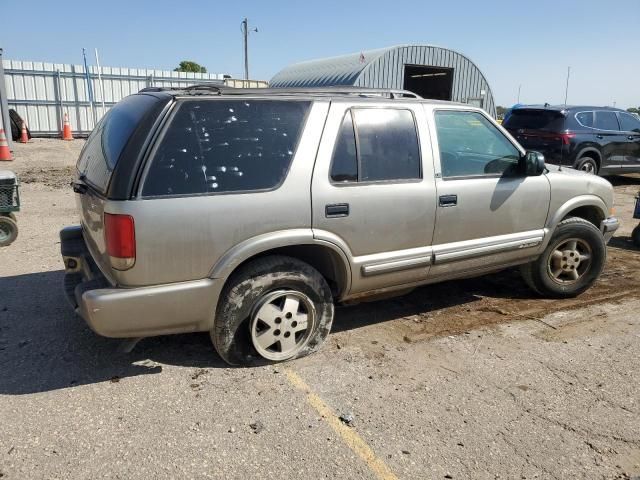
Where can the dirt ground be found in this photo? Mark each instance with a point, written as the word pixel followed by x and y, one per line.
pixel 468 379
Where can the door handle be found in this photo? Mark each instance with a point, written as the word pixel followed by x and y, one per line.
pixel 336 210
pixel 600 136
pixel 631 137
pixel 448 200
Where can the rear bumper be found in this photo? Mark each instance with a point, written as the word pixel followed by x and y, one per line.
pixel 608 227
pixel 113 311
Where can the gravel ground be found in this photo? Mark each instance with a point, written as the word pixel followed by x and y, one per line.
pixel 468 379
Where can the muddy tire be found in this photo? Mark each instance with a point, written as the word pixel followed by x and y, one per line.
pixel 571 263
pixel 272 309
pixel 635 236
pixel 8 231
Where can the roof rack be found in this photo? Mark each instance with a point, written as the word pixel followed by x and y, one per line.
pixel 204 89
pixel 207 89
pixel 193 89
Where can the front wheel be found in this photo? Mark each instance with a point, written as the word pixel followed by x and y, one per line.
pixel 273 309
pixel 571 263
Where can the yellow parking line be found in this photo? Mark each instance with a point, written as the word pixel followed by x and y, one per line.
pixel 350 437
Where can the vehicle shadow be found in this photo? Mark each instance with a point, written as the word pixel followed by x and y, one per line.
pixel 624 243
pixel 44 346
pixel 622 180
pixel 431 298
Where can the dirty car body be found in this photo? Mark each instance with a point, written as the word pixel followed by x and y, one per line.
pixel 184 195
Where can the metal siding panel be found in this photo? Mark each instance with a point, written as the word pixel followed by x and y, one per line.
pixel 32 90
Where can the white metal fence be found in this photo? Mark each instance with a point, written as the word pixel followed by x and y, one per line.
pixel 42 93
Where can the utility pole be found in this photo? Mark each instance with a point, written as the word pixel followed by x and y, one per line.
pixel 519 87
pixel 245 36
pixel 566 91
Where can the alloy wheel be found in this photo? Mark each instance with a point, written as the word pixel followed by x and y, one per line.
pixel 281 324
pixel 569 261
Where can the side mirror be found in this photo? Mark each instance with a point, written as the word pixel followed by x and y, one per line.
pixel 533 164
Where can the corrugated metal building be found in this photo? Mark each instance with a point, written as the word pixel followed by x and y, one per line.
pixel 429 71
pixel 43 92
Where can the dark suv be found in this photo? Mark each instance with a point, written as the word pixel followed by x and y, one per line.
pixel 599 140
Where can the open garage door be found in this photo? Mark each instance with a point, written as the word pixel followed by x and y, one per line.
pixel 429 82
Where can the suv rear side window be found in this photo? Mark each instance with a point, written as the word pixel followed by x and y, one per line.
pixel 529 119
pixel 383 146
pixel 585 119
pixel 629 123
pixel 105 144
pixel 217 146
pixel 606 121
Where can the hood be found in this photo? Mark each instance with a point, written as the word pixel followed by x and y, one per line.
pixel 567 183
pixel 564 170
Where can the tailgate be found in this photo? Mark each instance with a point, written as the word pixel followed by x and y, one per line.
pixel 91 208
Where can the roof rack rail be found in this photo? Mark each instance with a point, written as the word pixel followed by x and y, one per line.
pixel 322 91
pixel 351 90
pixel 155 89
pixel 201 87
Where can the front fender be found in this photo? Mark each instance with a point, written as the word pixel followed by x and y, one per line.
pixel 580 201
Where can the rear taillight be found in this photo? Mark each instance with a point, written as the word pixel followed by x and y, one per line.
pixel 566 138
pixel 120 237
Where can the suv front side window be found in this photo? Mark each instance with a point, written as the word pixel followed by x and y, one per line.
pixel 606 121
pixel 376 144
pixel 470 146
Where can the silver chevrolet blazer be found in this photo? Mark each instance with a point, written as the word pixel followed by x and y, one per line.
pixel 250 213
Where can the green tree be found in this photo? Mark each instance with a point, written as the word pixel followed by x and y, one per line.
pixel 189 66
pixel 633 110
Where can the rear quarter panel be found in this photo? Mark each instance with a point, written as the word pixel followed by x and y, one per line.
pixel 182 238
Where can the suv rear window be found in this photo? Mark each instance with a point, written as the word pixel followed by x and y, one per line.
pixel 108 139
pixel 217 146
pixel 547 120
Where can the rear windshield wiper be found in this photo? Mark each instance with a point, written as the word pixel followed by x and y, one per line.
pixel 79 186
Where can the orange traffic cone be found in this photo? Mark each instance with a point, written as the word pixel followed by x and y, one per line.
pixel 24 137
pixel 66 129
pixel 5 153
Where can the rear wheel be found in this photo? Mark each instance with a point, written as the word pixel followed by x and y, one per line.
pixel 587 165
pixel 273 309
pixel 8 231
pixel 571 263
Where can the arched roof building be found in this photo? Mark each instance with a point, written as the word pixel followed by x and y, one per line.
pixel 429 71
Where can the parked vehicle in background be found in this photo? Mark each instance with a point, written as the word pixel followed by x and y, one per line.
pixel 599 140
pixel 9 204
pixel 250 213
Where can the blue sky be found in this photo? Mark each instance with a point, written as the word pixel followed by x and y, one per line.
pixel 513 42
